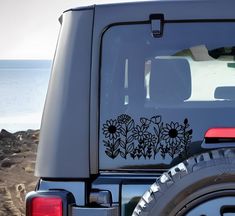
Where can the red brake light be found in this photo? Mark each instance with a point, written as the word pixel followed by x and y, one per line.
pixel 223 133
pixel 47 206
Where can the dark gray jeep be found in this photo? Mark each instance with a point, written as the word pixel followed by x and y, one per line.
pixel 140 112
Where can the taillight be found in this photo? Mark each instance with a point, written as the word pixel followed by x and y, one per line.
pixel 46 206
pixel 219 138
pixel 220 133
pixel 49 203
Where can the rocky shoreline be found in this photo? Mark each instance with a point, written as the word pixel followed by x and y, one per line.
pixel 17 161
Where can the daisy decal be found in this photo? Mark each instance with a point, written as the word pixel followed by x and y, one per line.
pixel 140 132
pixel 173 133
pixel 111 129
pixel 150 139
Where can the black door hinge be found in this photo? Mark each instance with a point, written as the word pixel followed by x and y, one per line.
pixel 157 24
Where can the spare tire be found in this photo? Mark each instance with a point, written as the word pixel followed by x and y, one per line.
pixel 192 186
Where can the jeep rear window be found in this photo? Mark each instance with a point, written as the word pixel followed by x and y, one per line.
pixel 159 95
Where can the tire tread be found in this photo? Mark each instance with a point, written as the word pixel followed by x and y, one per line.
pixel 176 173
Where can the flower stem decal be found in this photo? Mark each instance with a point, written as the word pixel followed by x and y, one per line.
pixel 150 137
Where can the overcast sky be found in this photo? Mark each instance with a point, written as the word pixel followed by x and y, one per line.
pixel 29 28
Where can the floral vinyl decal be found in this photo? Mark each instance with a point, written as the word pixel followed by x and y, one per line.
pixel 147 139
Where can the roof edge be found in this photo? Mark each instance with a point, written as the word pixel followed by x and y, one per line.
pixel 89 7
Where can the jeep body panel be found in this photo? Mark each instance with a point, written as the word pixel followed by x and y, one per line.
pixel 64 139
pixel 70 126
pixel 96 44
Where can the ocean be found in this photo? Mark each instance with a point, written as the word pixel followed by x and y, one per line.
pixel 23 87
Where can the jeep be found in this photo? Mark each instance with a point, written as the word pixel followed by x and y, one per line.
pixel 139 116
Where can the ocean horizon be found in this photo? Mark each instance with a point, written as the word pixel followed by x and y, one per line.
pixel 23 87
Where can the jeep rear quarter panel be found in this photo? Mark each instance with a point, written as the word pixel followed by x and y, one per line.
pixel 64 138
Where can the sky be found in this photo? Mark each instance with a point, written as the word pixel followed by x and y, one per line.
pixel 29 28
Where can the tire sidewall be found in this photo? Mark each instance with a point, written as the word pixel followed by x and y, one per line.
pixel 202 178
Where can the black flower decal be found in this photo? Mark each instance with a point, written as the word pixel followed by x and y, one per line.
pixel 112 129
pixel 173 133
pixel 148 138
pixel 140 133
pixel 123 119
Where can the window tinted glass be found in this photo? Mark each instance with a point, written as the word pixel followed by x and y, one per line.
pixel 160 95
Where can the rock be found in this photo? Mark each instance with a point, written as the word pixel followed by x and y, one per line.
pixel 29 168
pixel 17 162
pixel 27 137
pixel 7 163
pixel 20 192
pixel 2 156
pixel 5 134
pixel 19 137
pixel 16 150
pixel 7 204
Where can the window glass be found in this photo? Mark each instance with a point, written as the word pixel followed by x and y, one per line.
pixel 160 95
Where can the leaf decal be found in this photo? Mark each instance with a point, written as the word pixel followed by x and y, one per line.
pixel 130 139
pixel 109 153
pixel 155 130
pixel 122 154
pixel 130 148
pixel 106 143
pixel 116 144
pixel 130 125
pixel 122 144
pixel 190 132
pixel 116 153
pixel 123 132
pixel 185 121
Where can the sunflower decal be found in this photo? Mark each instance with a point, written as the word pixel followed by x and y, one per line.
pixel 150 137
pixel 112 129
pixel 173 133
